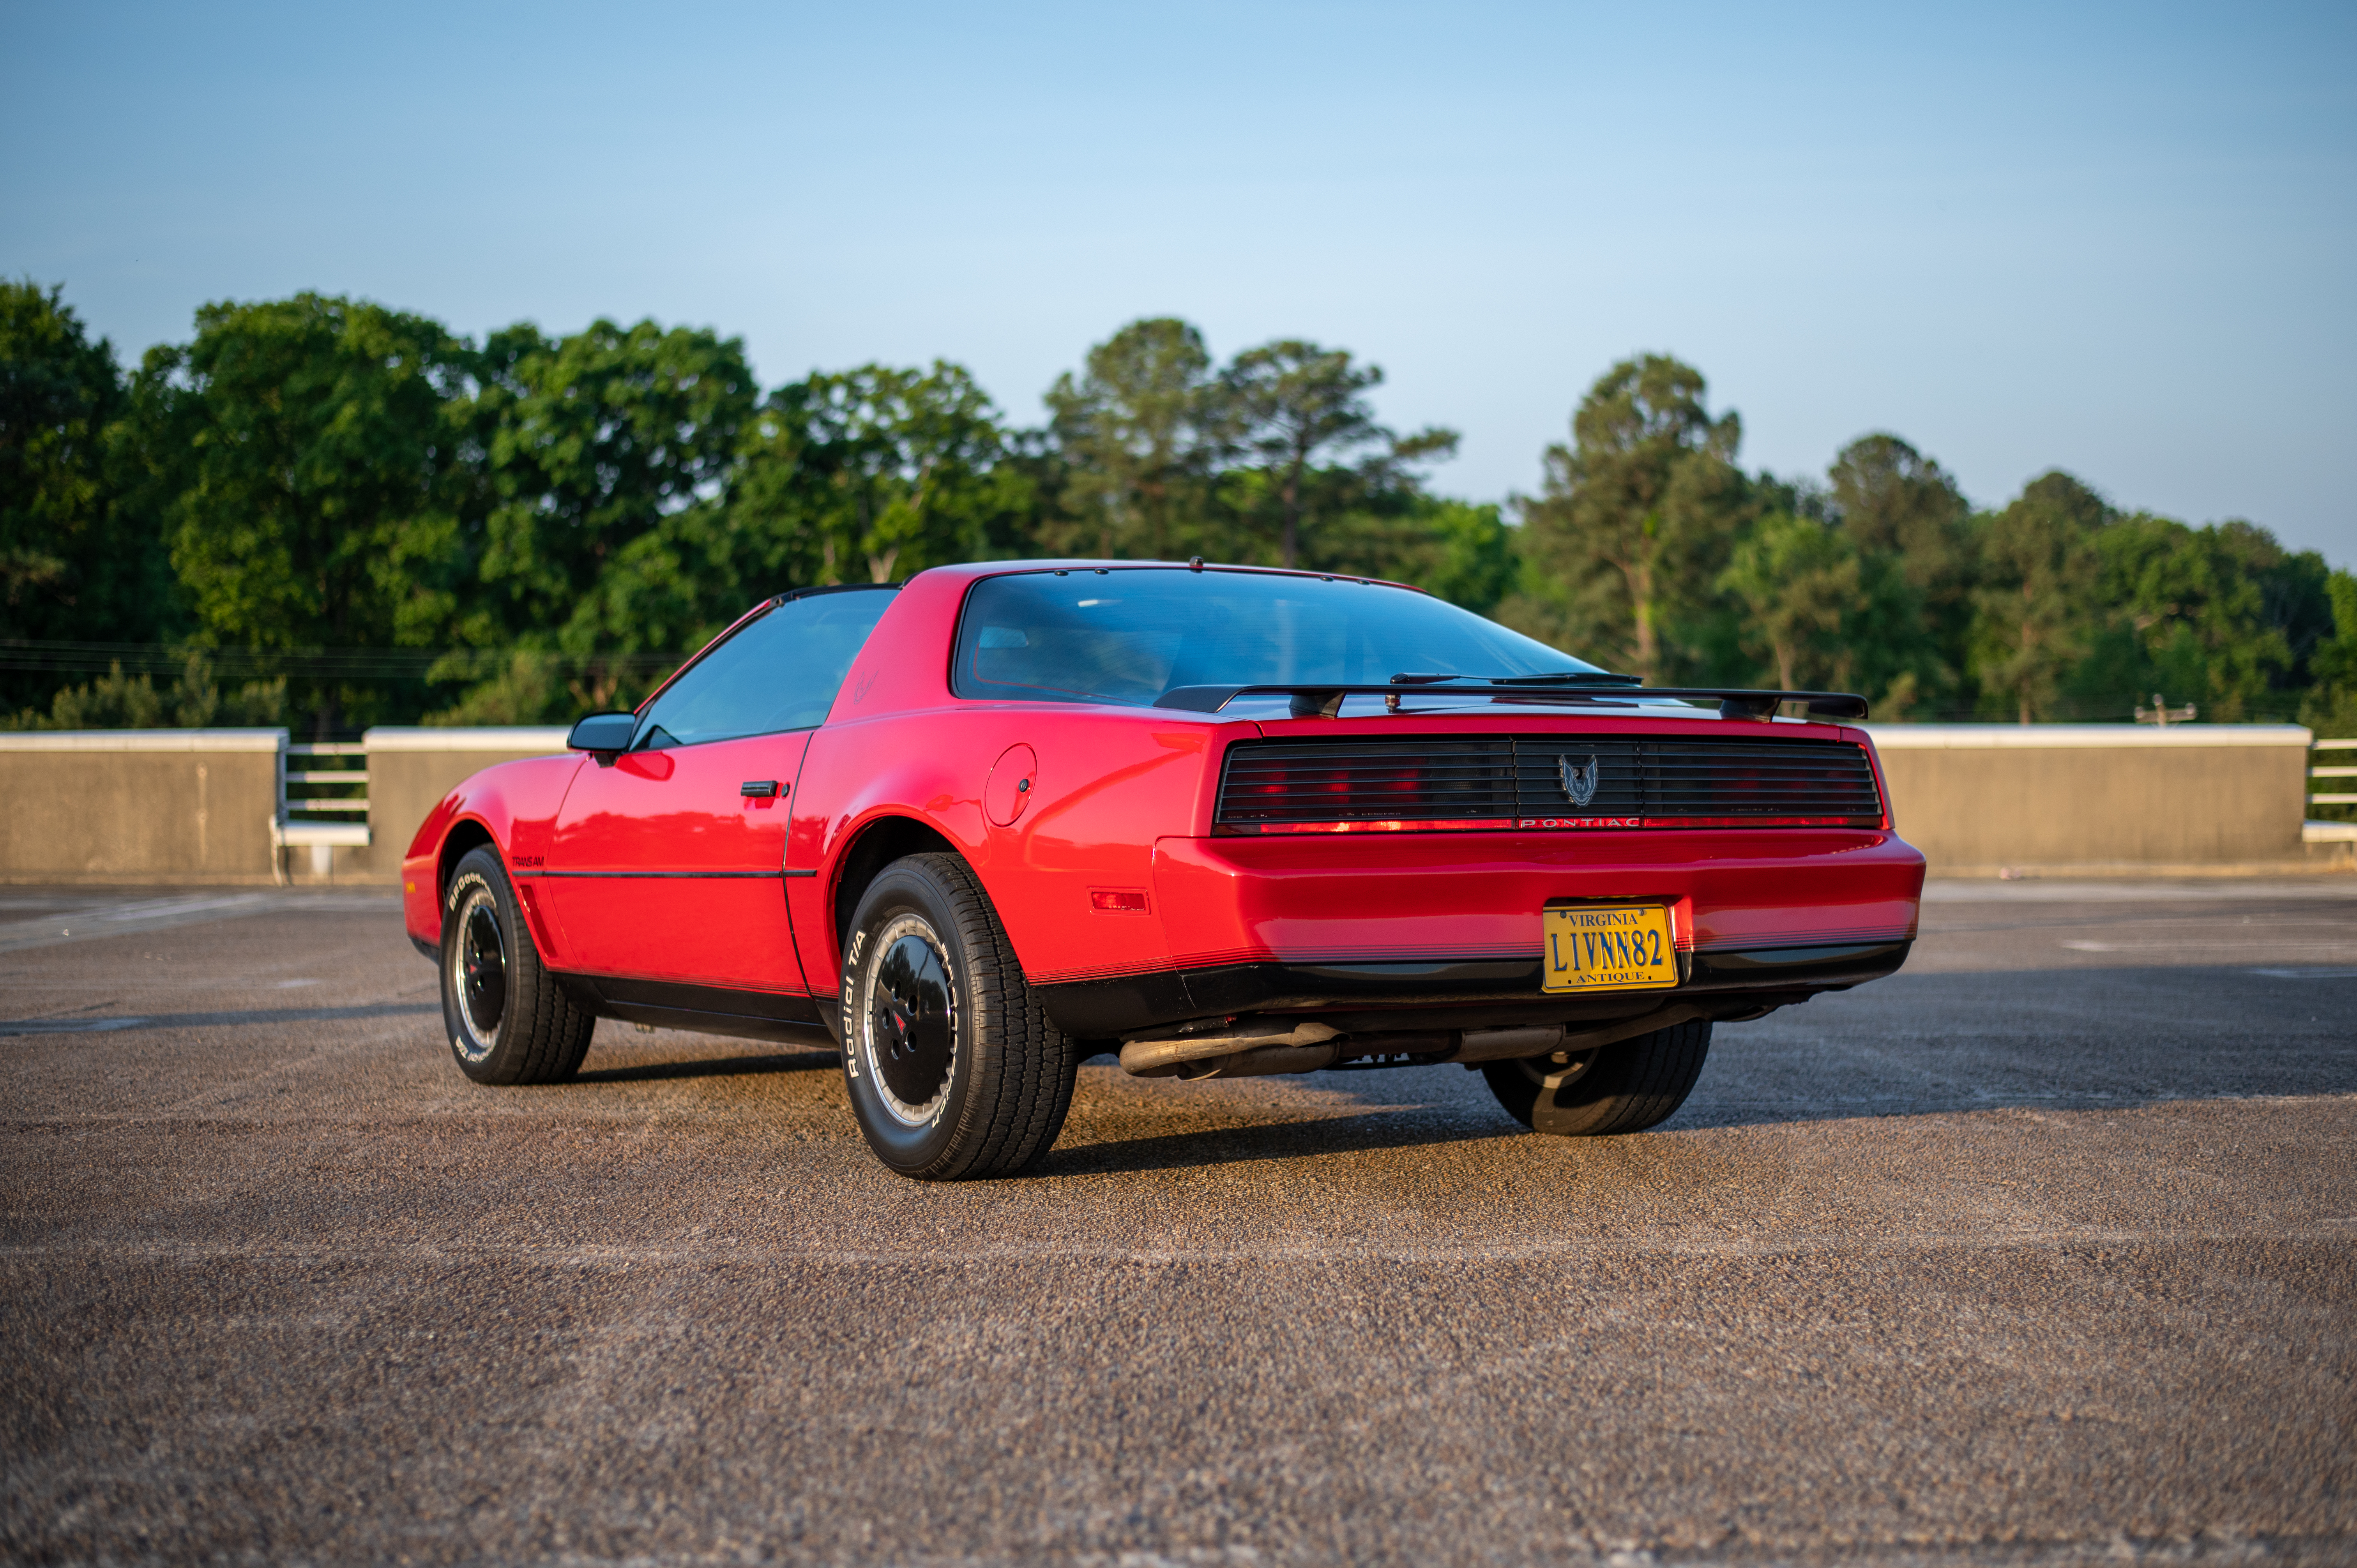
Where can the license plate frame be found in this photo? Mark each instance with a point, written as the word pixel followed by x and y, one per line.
pixel 1585 948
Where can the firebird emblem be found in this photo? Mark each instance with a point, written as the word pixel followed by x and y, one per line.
pixel 1578 779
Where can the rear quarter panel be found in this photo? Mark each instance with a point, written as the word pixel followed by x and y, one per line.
pixel 1108 782
pixel 1105 784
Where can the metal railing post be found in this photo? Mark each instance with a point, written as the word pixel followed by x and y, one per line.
pixel 2331 797
pixel 316 827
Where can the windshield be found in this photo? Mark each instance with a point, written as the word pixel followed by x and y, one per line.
pixel 1130 634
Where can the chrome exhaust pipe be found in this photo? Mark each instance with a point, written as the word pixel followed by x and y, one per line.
pixel 1287 1046
pixel 1164 1057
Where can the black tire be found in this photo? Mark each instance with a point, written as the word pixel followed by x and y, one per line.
pixel 506 1020
pixel 1623 1088
pixel 954 1071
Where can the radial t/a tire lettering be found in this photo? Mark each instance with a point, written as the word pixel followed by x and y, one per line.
pixel 506 1020
pixel 953 1069
pixel 1623 1088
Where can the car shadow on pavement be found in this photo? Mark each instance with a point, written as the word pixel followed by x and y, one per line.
pixel 1308 1137
pixel 2095 1038
pixel 709 1066
pixel 2092 1038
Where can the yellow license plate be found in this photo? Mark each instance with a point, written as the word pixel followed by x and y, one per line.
pixel 1608 947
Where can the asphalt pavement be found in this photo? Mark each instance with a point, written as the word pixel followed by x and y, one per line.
pixel 2043 1250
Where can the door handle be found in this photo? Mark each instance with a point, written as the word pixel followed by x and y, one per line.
pixel 760 788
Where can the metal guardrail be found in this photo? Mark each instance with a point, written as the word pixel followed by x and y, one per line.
pixel 2339 797
pixel 319 816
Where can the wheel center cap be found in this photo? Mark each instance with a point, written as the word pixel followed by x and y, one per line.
pixel 911 1024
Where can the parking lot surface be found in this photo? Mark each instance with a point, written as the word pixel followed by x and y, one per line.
pixel 2045 1249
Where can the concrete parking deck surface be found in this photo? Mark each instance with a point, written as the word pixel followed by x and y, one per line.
pixel 2044 1249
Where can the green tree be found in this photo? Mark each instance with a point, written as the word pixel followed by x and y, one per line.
pixel 1470 558
pixel 2186 617
pixel 862 475
pixel 309 463
pixel 2294 600
pixel 75 563
pixel 1905 511
pixel 1301 412
pixel 1798 583
pixel 2330 704
pixel 116 701
pixel 1139 431
pixel 604 459
pixel 881 471
pixel 2035 610
pixel 1635 520
pixel 1824 613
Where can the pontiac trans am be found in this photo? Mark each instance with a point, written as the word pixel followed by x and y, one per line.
pixel 975 829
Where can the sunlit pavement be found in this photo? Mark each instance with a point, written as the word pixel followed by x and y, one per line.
pixel 2045 1249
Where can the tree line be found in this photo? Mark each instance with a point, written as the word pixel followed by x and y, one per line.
pixel 326 513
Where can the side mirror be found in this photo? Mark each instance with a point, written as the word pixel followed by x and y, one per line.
pixel 603 732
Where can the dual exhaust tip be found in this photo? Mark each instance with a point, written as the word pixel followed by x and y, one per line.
pixel 1245 1047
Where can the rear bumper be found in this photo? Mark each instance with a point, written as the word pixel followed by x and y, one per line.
pixel 1420 927
pixel 1440 994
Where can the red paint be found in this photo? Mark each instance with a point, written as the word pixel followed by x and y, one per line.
pixel 663 870
pixel 515 803
pixel 1120 806
pixel 1012 781
pixel 1236 900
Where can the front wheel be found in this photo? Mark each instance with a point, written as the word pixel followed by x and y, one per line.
pixel 1623 1088
pixel 953 1068
pixel 506 1020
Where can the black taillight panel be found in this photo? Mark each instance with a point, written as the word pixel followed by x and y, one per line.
pixel 1441 782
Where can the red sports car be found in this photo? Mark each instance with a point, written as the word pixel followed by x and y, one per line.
pixel 976 828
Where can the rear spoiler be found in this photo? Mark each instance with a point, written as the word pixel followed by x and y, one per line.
pixel 1325 700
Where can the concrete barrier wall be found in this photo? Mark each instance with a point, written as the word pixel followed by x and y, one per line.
pixel 411 769
pixel 145 806
pixel 196 805
pixel 1979 798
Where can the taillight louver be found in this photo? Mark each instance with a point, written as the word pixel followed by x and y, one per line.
pixel 1444 782
pixel 1282 785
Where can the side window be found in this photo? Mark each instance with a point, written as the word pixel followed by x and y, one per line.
pixel 778 673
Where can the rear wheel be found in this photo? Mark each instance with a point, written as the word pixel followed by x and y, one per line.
pixel 1622 1088
pixel 506 1020
pixel 953 1068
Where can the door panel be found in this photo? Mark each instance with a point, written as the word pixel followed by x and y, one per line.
pixel 663 868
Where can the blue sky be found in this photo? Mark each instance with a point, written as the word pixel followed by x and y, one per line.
pixel 2112 239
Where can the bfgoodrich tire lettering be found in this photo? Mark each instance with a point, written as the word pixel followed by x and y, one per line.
pixel 1623 1088
pixel 506 1019
pixel 953 1070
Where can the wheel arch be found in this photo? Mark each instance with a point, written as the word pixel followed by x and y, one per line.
pixel 467 833
pixel 876 845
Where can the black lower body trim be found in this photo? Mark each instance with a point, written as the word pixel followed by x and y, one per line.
pixel 425 949
pixel 1484 993
pixel 706 1009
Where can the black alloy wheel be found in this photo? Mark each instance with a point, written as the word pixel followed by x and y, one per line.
pixel 953 1069
pixel 483 966
pixel 506 1020
pixel 910 1004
